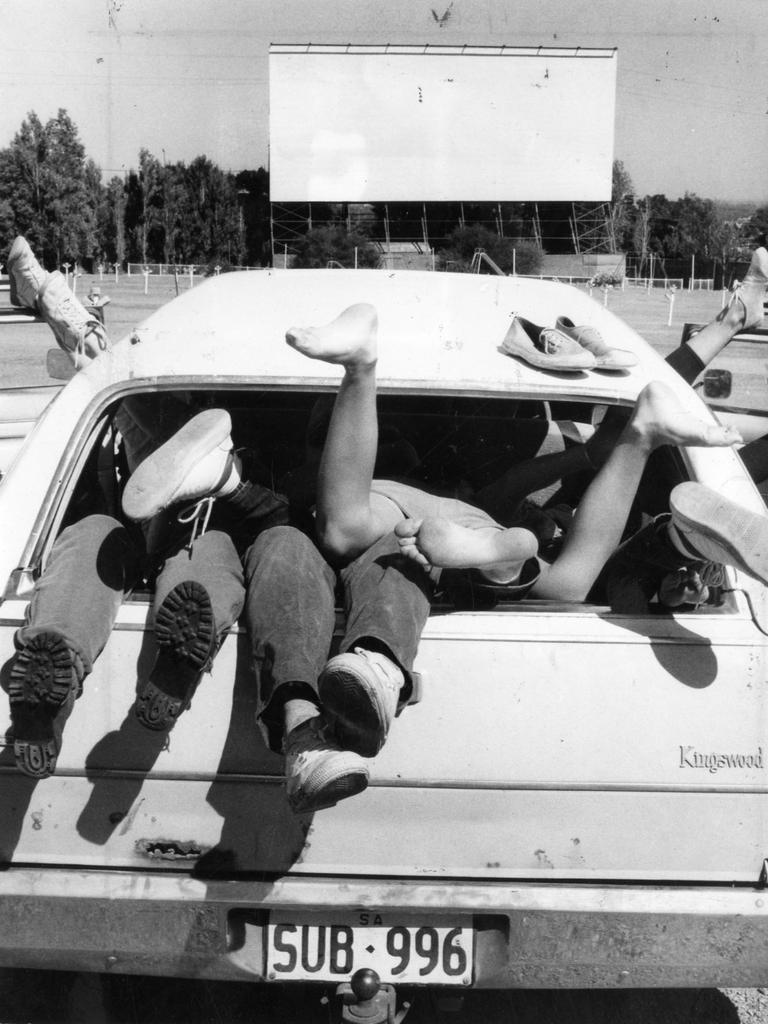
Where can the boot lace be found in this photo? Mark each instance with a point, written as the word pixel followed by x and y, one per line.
pixel 199 516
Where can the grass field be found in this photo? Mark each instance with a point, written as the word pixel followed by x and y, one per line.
pixel 24 346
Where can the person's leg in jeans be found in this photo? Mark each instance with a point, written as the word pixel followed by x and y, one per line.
pixel 290 617
pixel 387 599
pixel 200 590
pixel 69 620
pixel 199 595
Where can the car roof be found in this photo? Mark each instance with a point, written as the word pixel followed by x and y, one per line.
pixel 437 331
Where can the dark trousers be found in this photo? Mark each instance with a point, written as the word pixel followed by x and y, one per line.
pixel 635 570
pixel 290 613
pixel 97 560
pixel 282 586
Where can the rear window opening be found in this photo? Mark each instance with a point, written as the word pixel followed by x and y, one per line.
pixel 462 446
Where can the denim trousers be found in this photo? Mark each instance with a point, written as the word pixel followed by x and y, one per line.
pixel 281 585
pixel 97 560
pixel 290 614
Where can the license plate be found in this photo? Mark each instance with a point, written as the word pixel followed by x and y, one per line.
pixel 331 947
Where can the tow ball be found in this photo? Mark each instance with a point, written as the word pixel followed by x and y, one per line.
pixel 364 1000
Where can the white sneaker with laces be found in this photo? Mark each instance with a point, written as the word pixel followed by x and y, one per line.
pixel 78 332
pixel 359 692
pixel 606 358
pixel 318 773
pixel 545 347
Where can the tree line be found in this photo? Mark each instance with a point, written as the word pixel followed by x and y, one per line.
pixel 179 213
pixel 157 213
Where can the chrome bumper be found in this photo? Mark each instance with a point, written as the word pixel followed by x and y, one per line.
pixel 526 935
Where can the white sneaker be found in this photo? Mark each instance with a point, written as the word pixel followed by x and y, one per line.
pixel 318 773
pixel 25 275
pixel 715 529
pixel 606 358
pixel 197 462
pixel 545 348
pixel 359 692
pixel 77 331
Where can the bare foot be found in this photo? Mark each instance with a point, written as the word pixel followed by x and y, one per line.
pixel 349 340
pixel 499 554
pixel 660 419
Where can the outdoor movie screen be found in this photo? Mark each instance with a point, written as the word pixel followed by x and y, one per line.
pixel 404 123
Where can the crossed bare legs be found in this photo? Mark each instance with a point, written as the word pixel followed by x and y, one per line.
pixel 351 515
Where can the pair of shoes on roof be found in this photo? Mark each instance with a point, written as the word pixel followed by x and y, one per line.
pixel 325 757
pixel 79 333
pixel 564 348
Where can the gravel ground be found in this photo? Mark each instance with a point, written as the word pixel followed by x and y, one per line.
pixel 39 997
pixel 35 997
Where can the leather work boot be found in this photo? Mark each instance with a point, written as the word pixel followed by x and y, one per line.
pixel 44 684
pixel 187 640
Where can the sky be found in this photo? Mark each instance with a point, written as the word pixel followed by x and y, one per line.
pixel 183 78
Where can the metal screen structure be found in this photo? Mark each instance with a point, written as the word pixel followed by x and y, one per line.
pixel 427 123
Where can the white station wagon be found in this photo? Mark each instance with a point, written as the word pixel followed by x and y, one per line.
pixel 577 799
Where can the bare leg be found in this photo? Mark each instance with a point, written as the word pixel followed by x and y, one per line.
pixel 658 419
pixel 349 518
pixel 744 310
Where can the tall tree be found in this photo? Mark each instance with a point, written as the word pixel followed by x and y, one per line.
pixel 52 192
pixel 113 236
pixel 253 200
pixel 757 226
pixel 695 223
pixel 212 228
pixel 620 209
pixel 143 212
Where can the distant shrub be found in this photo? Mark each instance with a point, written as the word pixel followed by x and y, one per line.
pixel 605 281
pixel 332 243
pixel 507 253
